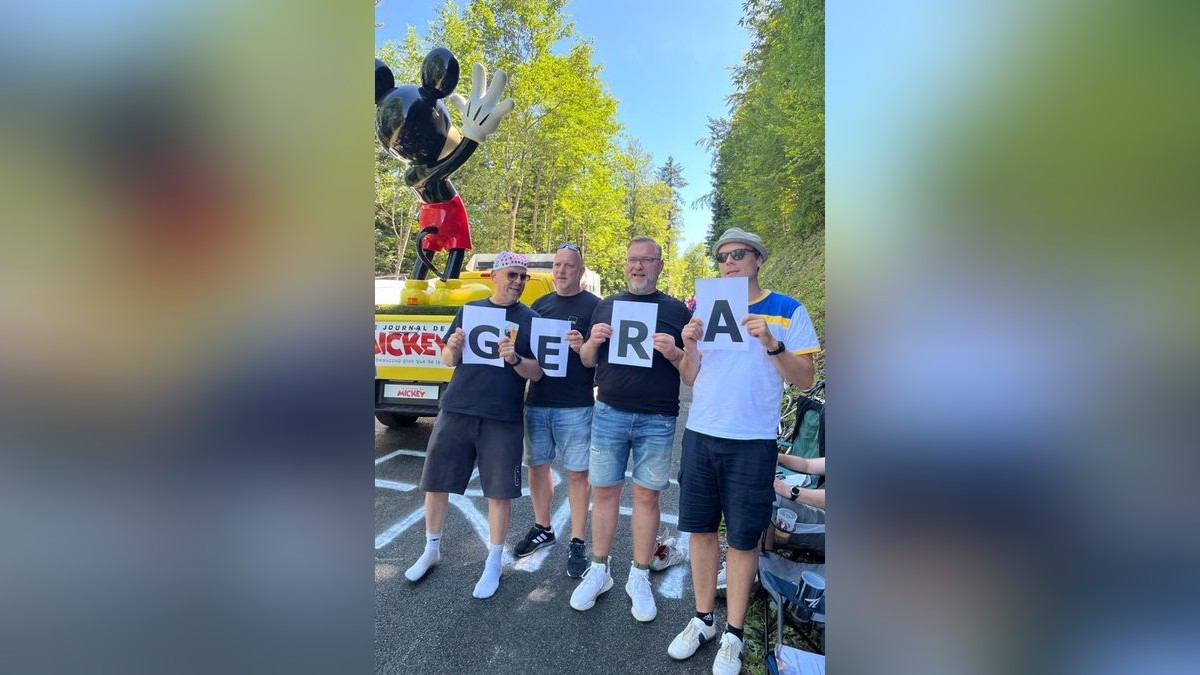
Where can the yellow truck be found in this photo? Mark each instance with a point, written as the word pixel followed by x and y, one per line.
pixel 409 327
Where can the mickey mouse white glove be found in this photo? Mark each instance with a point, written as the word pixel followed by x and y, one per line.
pixel 481 114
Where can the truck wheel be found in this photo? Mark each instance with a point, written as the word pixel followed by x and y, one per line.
pixel 393 420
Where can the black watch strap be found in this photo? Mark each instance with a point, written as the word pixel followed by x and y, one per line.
pixel 778 350
pixel 518 361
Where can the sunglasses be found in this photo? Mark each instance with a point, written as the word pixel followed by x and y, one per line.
pixel 513 276
pixel 570 247
pixel 736 254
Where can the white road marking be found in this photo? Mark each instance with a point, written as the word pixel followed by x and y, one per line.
pixel 663 517
pixel 670 587
pixel 479 522
pixel 398 529
pixel 394 485
pixel 407 453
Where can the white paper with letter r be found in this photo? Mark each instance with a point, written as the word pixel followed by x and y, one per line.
pixel 632 341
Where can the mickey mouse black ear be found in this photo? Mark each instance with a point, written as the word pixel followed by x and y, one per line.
pixel 439 73
pixel 385 81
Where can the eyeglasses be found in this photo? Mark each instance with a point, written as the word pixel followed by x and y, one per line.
pixel 736 254
pixel 570 247
pixel 645 260
pixel 513 276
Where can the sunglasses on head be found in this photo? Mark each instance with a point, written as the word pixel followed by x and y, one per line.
pixel 570 247
pixel 513 276
pixel 736 254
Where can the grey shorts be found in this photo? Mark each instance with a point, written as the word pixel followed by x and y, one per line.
pixel 459 442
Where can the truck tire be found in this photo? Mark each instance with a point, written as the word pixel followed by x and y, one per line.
pixel 392 420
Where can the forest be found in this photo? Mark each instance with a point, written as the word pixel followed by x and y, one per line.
pixel 561 168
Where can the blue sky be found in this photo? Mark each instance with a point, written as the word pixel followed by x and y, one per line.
pixel 666 61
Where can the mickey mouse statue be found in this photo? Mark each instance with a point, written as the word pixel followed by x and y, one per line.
pixel 413 124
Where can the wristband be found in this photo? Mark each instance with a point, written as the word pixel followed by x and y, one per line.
pixel 516 363
pixel 778 350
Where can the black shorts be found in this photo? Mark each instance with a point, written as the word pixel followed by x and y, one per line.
pixel 459 442
pixel 735 478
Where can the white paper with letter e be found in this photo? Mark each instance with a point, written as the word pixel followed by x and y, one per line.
pixel 483 327
pixel 722 305
pixel 546 338
pixel 632 341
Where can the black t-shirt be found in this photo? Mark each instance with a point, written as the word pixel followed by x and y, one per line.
pixel 637 389
pixel 488 391
pixel 574 390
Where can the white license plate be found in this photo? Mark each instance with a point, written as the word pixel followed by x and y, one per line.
pixel 423 392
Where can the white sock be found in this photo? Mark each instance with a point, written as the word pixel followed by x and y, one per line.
pixel 601 567
pixel 490 581
pixel 432 554
pixel 634 571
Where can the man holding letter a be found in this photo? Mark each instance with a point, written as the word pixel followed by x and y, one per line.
pixel 480 419
pixel 634 414
pixel 558 412
pixel 727 467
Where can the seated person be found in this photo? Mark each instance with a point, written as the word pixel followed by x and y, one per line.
pixel 816 467
pixel 808 505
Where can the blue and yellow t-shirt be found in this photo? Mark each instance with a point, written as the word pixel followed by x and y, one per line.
pixel 737 393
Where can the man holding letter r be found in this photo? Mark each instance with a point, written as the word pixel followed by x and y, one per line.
pixel 635 413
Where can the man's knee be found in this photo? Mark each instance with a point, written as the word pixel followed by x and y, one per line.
pixel 644 497
pixel 607 494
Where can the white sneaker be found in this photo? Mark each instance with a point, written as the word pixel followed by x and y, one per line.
pixel 686 643
pixel 721 581
pixel 596 581
pixel 638 588
pixel 729 656
pixel 666 555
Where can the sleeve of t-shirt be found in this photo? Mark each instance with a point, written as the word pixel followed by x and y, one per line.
pixel 801 337
pixel 456 323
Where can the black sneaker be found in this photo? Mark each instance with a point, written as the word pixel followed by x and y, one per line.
pixel 577 560
pixel 537 538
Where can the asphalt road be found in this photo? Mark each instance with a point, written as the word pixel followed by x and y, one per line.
pixel 436 626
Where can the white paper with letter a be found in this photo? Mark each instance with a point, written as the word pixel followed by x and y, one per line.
pixel 483 327
pixel 632 341
pixel 546 337
pixel 722 304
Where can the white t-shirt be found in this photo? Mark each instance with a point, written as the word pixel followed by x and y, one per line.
pixel 737 393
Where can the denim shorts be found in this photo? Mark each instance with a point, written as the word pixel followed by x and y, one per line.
pixel 616 434
pixel 734 478
pixel 563 432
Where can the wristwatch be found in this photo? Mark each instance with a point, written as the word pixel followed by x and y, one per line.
pixel 518 361
pixel 778 350
pixel 795 492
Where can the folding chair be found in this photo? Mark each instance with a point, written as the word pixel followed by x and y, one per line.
pixel 780 573
pixel 781 578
